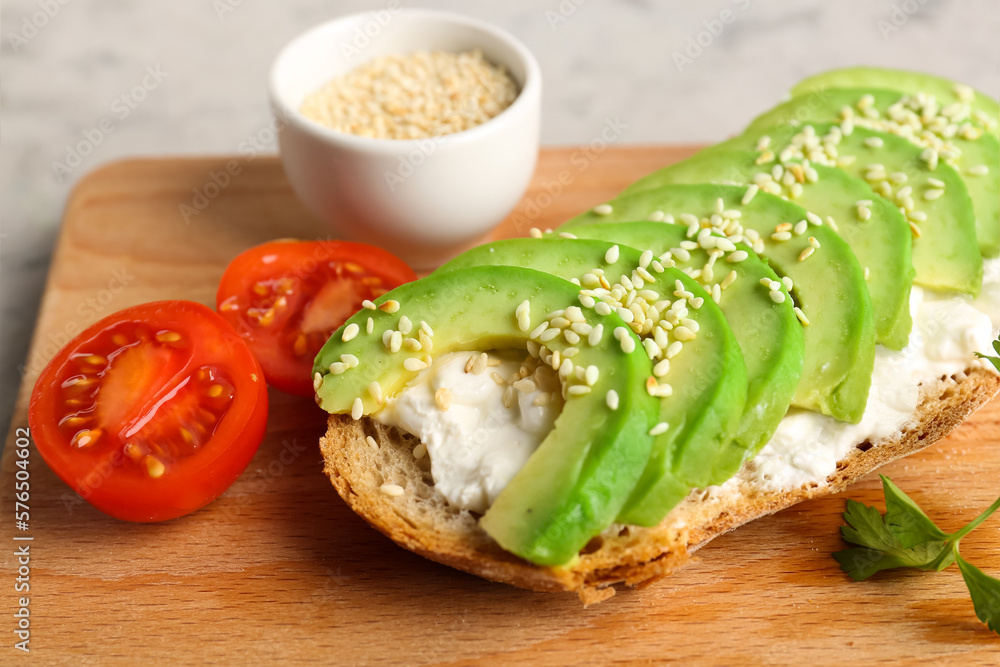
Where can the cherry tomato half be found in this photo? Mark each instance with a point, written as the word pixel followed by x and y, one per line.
pixel 152 412
pixel 286 298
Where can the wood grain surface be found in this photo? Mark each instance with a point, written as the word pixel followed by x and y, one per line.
pixel 278 569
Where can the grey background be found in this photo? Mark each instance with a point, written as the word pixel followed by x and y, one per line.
pixel 63 63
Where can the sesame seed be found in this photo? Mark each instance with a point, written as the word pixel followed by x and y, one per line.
pixel 936 182
pixel 628 345
pixel 317 381
pixel 578 390
pixel 814 242
pixel 535 233
pixel 390 306
pixel 738 256
pixel 375 389
pixel 979 170
pixel 414 364
pixel 674 349
pixel 684 334
pixel 395 342
pixel 587 301
pixel 369 305
pixel 777 297
pixel 357 409
pixel 565 368
pixel 497 378
pixel 525 386
pixel 659 429
pixel 806 253
pixel 716 293
pixel 420 451
pixel 602 308
pixel 611 256
pixel 595 335
pixel 524 322
pixel 479 363
pixel 933 194
pixel 337 367
pixel 781 236
pixel 802 316
pixel 350 331
pixel 657 216
pixel 370 325
pixel 603 209
pixel 611 399
pixel 915 230
pixel 391 490
pixel 801 226
pixel 868 273
pixel 874 142
pixel 864 213
pixel 773 285
pixel 539 330
pixel 571 336
pixel 405 325
pixel 696 302
pixel 550 334
pixel 749 194
pixel 542 399
pixel 730 278
pixel 570 352
pixel 566 235
pixel 930 156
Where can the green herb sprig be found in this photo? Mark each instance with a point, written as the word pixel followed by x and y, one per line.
pixel 993 360
pixel 906 537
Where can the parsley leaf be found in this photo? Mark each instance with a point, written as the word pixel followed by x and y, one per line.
pixel 906 537
pixel 993 360
pixel 906 520
pixel 985 592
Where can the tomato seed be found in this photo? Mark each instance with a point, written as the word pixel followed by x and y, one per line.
pixel 155 467
pixel 261 289
pixel 86 438
pixel 168 336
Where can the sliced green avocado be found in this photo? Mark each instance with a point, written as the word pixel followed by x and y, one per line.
pixel 975 154
pixel 828 284
pixel 946 90
pixel 577 481
pixel 769 334
pixel 945 248
pixel 708 376
pixel 882 245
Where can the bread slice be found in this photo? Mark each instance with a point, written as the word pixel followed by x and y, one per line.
pixel 422 521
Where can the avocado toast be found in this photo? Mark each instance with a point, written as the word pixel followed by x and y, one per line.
pixel 667 432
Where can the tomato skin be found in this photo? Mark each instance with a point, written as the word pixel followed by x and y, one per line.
pixel 159 397
pixel 295 281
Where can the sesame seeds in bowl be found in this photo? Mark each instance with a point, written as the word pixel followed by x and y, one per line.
pixel 423 198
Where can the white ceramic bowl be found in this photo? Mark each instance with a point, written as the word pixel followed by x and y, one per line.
pixel 422 199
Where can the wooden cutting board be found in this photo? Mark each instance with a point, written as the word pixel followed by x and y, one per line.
pixel 279 569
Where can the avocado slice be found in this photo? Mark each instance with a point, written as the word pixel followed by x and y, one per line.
pixel 577 481
pixel 828 284
pixel 957 138
pixel 882 245
pixel 946 253
pixel 707 376
pixel 769 334
pixel 985 109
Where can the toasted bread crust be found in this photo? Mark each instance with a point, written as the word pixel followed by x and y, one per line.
pixel 422 521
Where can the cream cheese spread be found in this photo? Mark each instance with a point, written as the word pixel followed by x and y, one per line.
pixel 476 445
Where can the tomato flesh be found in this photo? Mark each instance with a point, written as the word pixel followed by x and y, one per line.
pixel 286 298
pixel 152 412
